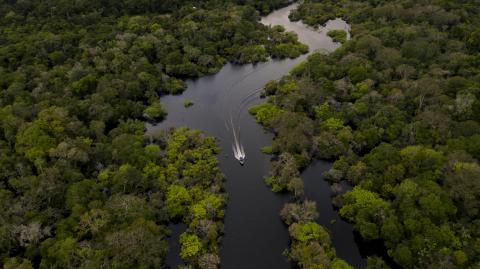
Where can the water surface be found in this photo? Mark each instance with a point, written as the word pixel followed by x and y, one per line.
pixel 255 237
pixel 341 232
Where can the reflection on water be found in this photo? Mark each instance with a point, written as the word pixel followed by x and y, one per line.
pixel 173 255
pixel 342 235
pixel 255 237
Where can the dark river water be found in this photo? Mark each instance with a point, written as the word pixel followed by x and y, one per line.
pixel 255 237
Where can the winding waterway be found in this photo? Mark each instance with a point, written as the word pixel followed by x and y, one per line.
pixel 255 237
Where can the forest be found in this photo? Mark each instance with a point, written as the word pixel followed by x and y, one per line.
pixel 81 186
pixel 397 108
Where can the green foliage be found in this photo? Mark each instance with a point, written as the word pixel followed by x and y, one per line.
pixel 323 111
pixel 289 50
pixel 359 90
pixel 265 113
pixel 288 88
pixel 332 124
pixel 376 263
pixel 77 81
pixel 16 263
pixel 359 199
pixel 174 86
pixel 310 242
pixel 187 103
pixel 155 112
pixel 464 190
pixel 283 172
pixel 307 232
pixel 112 215
pixel 313 13
pixel 299 212
pixel 267 150
pixel 210 207
pixel 310 255
pixel 338 35
pixel 421 160
pixel 360 206
pixel 191 246
pixel 80 187
pixel 340 264
pixel 395 107
pixel 249 54
pixel 177 200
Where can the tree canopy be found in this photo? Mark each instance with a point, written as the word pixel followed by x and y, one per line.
pixel 80 185
pixel 396 107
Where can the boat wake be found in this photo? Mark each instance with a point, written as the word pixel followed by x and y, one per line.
pixel 237 147
pixel 233 124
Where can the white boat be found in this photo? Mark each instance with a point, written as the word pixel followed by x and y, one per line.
pixel 239 153
pixel 237 147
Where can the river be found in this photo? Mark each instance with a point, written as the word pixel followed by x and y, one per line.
pixel 255 237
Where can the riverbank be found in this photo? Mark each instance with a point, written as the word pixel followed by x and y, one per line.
pixel 255 236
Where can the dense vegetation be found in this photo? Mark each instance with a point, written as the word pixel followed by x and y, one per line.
pixel 80 186
pixel 398 108
pixel 310 246
pixel 338 35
